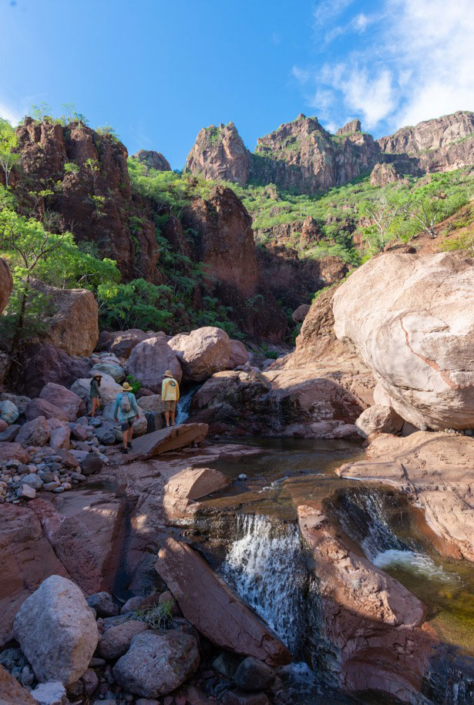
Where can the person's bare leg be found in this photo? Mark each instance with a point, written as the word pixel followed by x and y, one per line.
pixel 130 436
pixel 173 414
pixel 167 418
pixel 94 407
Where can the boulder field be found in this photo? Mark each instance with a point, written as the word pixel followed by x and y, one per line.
pixel 384 356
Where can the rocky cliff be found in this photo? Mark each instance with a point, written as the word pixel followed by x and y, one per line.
pixel 219 153
pixel 85 188
pixel 153 160
pixel 301 155
pixel 429 135
pixel 87 175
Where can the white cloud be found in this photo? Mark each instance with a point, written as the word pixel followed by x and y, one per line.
pixel 414 60
pixel 328 10
pixel 9 113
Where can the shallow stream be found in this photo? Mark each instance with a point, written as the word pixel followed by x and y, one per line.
pixel 265 563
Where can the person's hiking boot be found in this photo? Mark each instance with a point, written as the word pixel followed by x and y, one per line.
pixel 124 450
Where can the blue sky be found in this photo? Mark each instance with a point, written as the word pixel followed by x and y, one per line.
pixel 159 70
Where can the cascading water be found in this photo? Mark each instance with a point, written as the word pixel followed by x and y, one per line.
pixel 266 567
pixel 364 515
pixel 184 405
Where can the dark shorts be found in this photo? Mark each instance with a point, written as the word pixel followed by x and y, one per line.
pixel 128 423
pixel 171 405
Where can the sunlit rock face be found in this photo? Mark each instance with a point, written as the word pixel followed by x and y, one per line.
pixel 411 320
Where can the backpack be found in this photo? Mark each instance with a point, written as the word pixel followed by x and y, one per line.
pixel 125 404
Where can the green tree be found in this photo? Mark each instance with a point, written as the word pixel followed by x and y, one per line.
pixel 34 253
pixel 8 143
pixel 138 304
pixel 40 111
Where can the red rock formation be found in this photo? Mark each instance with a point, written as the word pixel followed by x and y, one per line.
pixel 372 620
pixel 302 155
pixel 212 607
pixel 152 160
pixel 437 468
pixel 429 135
pixel 224 240
pixel 93 198
pixel 219 153
pixel 27 558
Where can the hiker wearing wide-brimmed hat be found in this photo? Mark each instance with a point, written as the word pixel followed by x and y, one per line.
pixel 127 410
pixel 170 396
pixel 95 393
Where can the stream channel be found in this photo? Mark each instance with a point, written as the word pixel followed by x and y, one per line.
pixel 256 546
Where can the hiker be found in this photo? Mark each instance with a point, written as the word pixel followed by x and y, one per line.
pixel 170 396
pixel 127 410
pixel 95 393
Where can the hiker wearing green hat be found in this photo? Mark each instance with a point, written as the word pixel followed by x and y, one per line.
pixel 127 410
pixel 170 396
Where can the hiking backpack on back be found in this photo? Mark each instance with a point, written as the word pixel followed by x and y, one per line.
pixel 125 404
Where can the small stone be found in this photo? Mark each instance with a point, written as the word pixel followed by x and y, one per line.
pixel 103 604
pixel 242 476
pixel 51 693
pixel 27 492
pixel 33 480
pixel 253 674
pixel 96 662
pixel 116 640
pixel 91 681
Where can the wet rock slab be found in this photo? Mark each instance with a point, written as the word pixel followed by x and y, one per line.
pixel 209 604
pixel 167 439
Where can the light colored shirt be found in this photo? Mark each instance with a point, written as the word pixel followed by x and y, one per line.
pixel 169 389
pixel 134 411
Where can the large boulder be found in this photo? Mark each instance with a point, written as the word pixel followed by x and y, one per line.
pixel 149 361
pixel 411 319
pixel 369 620
pixel 42 407
pixel 109 368
pixel 6 284
pixel 9 411
pixel 61 397
pixel 41 364
pixel 12 451
pixel 437 467
pixel 238 354
pixel 300 313
pixel 116 640
pixel 108 389
pixel 167 439
pixel 34 433
pixel 140 671
pixel 74 324
pixel 203 352
pixel 185 487
pixel 125 340
pixel 379 419
pixel 59 611
pixel 27 558
pixel 209 604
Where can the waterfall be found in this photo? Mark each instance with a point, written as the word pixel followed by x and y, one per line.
pixel 266 567
pixel 184 404
pixel 364 514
